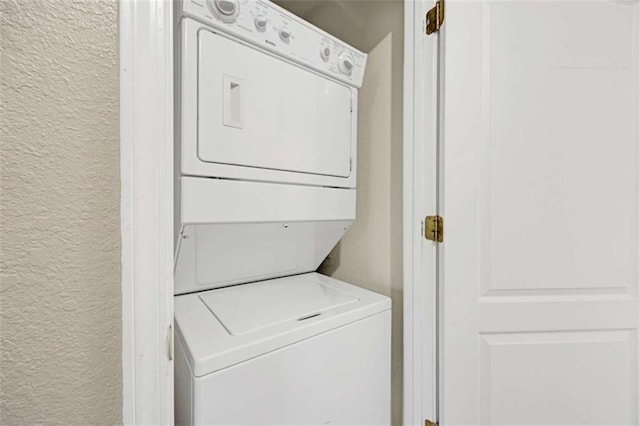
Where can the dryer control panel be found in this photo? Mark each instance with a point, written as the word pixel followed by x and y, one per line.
pixel 269 26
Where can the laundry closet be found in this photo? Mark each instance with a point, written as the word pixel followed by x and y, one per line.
pixel 288 138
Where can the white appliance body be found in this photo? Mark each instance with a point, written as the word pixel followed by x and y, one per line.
pixel 298 350
pixel 266 143
pixel 265 187
pixel 256 108
pixel 334 378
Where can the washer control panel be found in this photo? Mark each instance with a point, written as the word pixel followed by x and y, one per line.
pixel 267 25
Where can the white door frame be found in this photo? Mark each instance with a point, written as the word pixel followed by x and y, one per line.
pixel 146 179
pixel 419 193
pixel 146 161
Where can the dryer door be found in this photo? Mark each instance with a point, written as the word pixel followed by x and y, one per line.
pixel 256 110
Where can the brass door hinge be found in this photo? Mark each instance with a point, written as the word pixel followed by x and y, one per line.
pixel 435 17
pixel 428 422
pixel 434 228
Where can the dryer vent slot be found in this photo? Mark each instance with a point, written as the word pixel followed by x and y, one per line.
pixel 310 316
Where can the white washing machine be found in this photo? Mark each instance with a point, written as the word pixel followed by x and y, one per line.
pixel 265 180
pixel 301 350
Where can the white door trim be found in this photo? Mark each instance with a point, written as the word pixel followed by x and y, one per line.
pixel 146 179
pixel 419 193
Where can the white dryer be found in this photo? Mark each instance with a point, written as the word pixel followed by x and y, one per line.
pixel 265 96
pixel 265 180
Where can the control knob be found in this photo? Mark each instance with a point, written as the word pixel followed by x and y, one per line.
pixel 325 52
pixel 225 10
pixel 285 35
pixel 345 62
pixel 260 22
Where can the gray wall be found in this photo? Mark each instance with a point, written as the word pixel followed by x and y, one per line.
pixel 60 236
pixel 370 255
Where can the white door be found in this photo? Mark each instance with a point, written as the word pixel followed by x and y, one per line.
pixel 540 198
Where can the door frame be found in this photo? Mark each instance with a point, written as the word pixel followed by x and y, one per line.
pixel 420 182
pixel 146 164
pixel 146 203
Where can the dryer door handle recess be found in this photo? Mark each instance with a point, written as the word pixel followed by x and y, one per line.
pixel 233 102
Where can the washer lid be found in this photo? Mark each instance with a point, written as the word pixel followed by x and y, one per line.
pixel 246 308
pixel 220 328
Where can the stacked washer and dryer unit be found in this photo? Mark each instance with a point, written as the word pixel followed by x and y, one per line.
pixel 265 178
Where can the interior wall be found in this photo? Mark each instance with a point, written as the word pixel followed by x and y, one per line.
pixel 60 302
pixel 370 255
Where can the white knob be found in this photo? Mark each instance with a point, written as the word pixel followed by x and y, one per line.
pixel 345 62
pixel 225 10
pixel 260 23
pixel 325 52
pixel 285 35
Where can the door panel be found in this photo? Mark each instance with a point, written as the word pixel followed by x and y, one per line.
pixel 541 203
pixel 561 147
pixel 256 110
pixel 548 377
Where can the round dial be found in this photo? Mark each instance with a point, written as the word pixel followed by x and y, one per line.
pixel 285 35
pixel 345 62
pixel 260 22
pixel 225 10
pixel 325 52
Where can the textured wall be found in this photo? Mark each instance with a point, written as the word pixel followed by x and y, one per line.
pixel 60 241
pixel 370 255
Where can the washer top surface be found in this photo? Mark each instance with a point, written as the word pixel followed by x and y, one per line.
pixel 224 327
pixel 247 308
